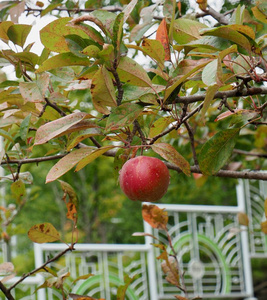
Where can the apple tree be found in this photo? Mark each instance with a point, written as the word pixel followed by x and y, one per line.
pixel 119 79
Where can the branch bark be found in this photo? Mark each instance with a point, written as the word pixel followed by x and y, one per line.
pixel 223 95
pixel 70 248
pixel 6 292
pixel 248 174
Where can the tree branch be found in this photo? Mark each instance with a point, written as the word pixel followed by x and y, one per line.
pixel 223 95
pixel 258 175
pixel 6 291
pixel 192 141
pixel 75 10
pixel 118 82
pixel 70 248
pixel 250 153
pixel 213 13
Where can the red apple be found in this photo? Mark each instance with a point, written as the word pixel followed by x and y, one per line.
pixel 144 178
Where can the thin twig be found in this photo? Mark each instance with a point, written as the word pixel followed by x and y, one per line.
pixel 75 10
pixel 70 248
pixel 55 107
pixel 118 82
pixel 264 155
pixel 192 141
pixel 139 129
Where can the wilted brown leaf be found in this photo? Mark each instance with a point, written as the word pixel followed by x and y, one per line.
pixel 43 233
pixel 243 219
pixel 181 298
pixel 170 268
pixel 264 227
pixel 155 217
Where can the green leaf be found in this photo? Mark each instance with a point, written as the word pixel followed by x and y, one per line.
pixel 242 116
pixel 53 35
pixel 177 83
pixel 117 32
pixel 186 30
pixel 232 33
pixel 4 26
pixel 76 44
pixel 18 33
pixel 43 233
pixel 131 72
pixel 24 127
pixel 241 65
pixel 159 125
pixel 35 91
pixel 8 83
pixel 132 92
pixel 123 115
pixel 76 137
pixel 259 15
pixel 91 51
pixel 139 30
pixel 208 99
pixel 106 18
pixel 18 190
pixel 217 150
pixel 238 15
pixel 27 57
pixel 62 60
pixel 103 91
pixel 89 31
pixel 107 55
pixel 50 7
pixel 168 9
pixel 206 44
pixel 67 162
pixel 169 153
pixel 58 127
pixel 92 156
pixel 155 50
pixel 120 158
pixel 128 9
pixel 209 73
pixel 121 292
pixel 6 135
pixel 232 49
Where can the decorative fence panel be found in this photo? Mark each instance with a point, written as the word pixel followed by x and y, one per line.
pixel 108 264
pixel 254 194
pixel 215 264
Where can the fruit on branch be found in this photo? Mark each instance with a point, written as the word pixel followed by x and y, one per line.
pixel 144 178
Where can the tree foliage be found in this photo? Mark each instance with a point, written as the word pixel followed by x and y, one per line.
pixel 124 78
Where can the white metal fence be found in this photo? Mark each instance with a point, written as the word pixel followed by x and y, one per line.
pixel 215 264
